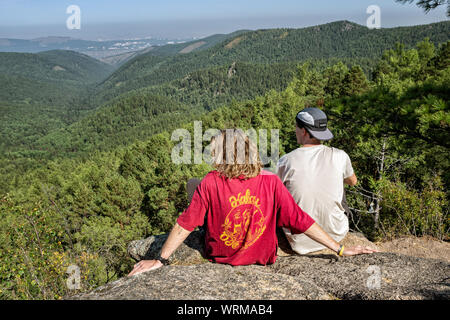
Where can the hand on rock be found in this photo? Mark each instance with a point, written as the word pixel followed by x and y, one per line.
pixel 145 265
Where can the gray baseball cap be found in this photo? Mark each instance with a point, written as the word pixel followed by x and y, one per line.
pixel 315 121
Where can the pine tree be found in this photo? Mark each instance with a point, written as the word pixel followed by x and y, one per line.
pixel 355 82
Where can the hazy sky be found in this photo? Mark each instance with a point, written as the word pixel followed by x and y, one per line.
pixel 113 19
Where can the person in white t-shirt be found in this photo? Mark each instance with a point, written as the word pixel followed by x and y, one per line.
pixel 315 175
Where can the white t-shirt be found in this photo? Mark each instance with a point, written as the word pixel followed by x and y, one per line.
pixel 315 178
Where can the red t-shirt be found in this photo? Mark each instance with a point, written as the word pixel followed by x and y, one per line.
pixel 242 216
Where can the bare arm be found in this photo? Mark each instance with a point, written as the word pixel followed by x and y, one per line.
pixel 316 233
pixel 351 181
pixel 175 239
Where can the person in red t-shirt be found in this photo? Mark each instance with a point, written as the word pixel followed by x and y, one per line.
pixel 243 205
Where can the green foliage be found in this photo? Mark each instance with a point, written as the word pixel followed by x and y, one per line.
pixel 135 116
pixel 341 40
pixel 59 113
pixel 37 93
pixel 397 136
pixel 415 212
pixel 428 5
pixel 355 82
pixel 53 66
pixel 50 77
pixel 334 77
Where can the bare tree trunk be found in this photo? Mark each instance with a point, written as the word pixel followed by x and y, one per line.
pixel 380 175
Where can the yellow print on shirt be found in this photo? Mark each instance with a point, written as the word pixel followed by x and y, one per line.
pixel 245 223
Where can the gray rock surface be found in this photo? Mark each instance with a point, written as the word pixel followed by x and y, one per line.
pixel 209 281
pixel 316 276
pixel 383 275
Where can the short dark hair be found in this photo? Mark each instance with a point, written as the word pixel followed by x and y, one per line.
pixel 301 125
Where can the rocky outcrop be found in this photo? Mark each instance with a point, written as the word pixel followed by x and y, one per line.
pixel 189 253
pixel 209 281
pixel 316 276
pixel 231 70
pixel 383 275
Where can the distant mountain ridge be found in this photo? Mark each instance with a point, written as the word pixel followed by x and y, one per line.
pixel 341 39
pixel 170 49
pixel 103 50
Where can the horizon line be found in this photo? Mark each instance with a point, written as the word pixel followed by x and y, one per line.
pixel 195 37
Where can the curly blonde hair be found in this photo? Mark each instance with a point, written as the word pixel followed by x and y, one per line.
pixel 235 154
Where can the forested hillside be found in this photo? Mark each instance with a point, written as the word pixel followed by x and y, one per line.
pixel 85 212
pixel 218 76
pixel 38 92
pixel 341 39
pixel 141 113
pixel 54 66
pixel 54 103
pixel 49 77
pixel 197 45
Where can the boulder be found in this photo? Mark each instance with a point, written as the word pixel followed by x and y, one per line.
pixel 321 275
pixel 380 276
